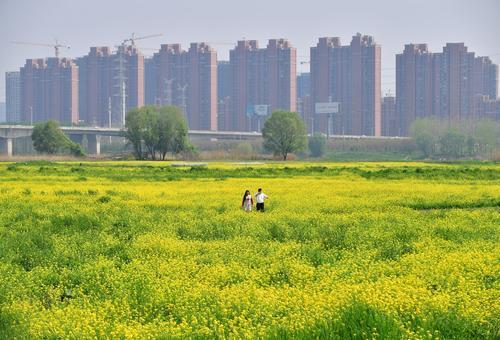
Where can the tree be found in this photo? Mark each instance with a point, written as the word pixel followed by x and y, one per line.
pixel 284 132
pixel 317 145
pixel 159 129
pixel 424 134
pixel 452 143
pixel 487 134
pixel 172 130
pixel 48 138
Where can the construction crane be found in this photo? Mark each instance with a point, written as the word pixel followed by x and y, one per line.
pixel 133 38
pixel 56 46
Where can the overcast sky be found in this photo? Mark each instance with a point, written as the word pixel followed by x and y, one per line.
pixel 393 23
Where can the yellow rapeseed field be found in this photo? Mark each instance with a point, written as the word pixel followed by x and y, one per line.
pixel 360 250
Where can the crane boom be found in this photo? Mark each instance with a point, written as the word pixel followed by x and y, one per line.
pixel 133 38
pixel 56 46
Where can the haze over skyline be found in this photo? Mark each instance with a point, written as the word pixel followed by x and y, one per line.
pixel 222 22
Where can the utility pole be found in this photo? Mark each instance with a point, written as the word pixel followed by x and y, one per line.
pixel 120 93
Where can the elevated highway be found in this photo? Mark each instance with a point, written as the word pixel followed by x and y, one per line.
pixel 93 135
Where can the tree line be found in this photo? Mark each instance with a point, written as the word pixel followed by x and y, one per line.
pixel 441 138
pixel 155 132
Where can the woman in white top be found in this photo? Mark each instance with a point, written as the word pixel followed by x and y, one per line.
pixel 247 202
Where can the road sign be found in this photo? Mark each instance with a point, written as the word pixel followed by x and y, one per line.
pixel 260 110
pixel 328 108
pixel 250 111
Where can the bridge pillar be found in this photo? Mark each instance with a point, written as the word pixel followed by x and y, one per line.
pixel 77 139
pixel 94 144
pixel 6 146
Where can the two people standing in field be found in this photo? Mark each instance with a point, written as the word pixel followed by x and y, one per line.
pixel 247 202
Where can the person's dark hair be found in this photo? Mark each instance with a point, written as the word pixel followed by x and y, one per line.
pixel 247 192
pixel 260 189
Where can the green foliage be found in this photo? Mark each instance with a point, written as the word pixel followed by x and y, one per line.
pixel 317 145
pixel 160 130
pixel 48 138
pixel 442 138
pixel 452 143
pixel 284 132
pixel 424 134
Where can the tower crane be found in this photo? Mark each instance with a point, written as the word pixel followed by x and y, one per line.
pixel 133 38
pixel 56 46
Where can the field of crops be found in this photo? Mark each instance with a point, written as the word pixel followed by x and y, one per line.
pixel 360 250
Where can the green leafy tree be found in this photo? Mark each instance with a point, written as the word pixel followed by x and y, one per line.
pixel 172 130
pixel 317 145
pixel 284 132
pixel 135 124
pixel 423 132
pixel 48 138
pixel 487 135
pixel 151 133
pixel 452 143
pixel 155 131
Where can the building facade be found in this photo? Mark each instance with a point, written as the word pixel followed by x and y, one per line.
pixel 486 108
pixel 261 77
pixel 442 85
pixel 224 94
pixel 389 118
pixel 170 79
pixel 349 75
pixel 188 80
pixel 111 84
pixel 415 86
pixel 149 81
pixel 133 90
pixel 304 99
pixel 49 90
pixel 202 87
pixel 13 96
pixel 96 87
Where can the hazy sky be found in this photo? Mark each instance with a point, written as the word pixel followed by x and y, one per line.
pixel 393 23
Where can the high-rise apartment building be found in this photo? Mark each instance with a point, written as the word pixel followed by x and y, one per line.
pixel 304 99
pixel 202 87
pixel 170 65
pixel 133 71
pixel 415 86
pixel 349 75
pixel 188 79
pixel 49 90
pixel 111 84
pixel 485 77
pixel 96 87
pixel 441 84
pixel 13 96
pixel 456 82
pixel 264 77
